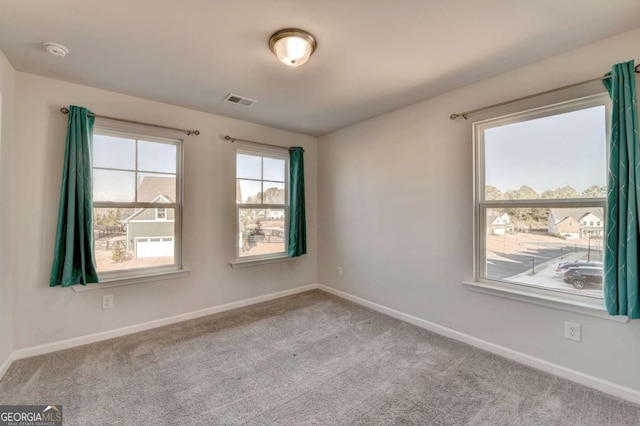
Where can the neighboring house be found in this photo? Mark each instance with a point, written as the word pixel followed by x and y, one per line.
pixel 275 214
pixel 498 223
pixel 151 231
pixel 591 225
pixel 576 222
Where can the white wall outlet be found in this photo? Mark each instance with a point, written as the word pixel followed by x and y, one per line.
pixel 572 331
pixel 107 301
pixel 339 271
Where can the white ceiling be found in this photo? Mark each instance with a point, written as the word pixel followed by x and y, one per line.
pixel 373 56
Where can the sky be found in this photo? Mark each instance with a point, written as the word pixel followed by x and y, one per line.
pixel 547 153
pixel 120 153
pixel 257 167
pixel 249 167
pixel 111 152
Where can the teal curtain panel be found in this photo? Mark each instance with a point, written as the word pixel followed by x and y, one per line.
pixel 297 219
pixel 74 259
pixel 621 280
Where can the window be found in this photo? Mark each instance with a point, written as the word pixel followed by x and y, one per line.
pixel 137 203
pixel 161 213
pixel 262 204
pixel 543 172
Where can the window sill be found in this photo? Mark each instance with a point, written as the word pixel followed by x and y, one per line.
pixel 117 282
pixel 257 262
pixel 579 304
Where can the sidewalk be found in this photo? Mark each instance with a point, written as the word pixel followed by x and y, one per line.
pixel 546 277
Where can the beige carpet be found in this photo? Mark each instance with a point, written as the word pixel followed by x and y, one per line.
pixel 305 359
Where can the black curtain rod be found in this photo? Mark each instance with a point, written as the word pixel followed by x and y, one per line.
pixel 65 110
pixel 473 111
pixel 232 140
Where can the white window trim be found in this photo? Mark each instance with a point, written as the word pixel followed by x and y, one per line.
pixel 138 275
pixel 531 294
pixel 537 296
pixel 277 153
pixel 134 279
pixel 258 262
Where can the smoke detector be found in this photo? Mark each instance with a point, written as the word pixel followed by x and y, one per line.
pixel 56 49
pixel 239 100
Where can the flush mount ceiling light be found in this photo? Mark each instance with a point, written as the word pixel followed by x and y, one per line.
pixel 56 49
pixel 293 47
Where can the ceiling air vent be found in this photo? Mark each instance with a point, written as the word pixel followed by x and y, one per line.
pixel 239 100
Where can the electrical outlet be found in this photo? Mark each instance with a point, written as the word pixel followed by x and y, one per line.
pixel 107 301
pixel 339 271
pixel 572 331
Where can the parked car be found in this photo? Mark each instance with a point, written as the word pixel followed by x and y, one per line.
pixel 580 277
pixel 563 267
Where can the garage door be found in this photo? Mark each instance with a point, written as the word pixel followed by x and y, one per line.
pixel 154 246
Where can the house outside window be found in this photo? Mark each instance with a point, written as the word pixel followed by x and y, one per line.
pixel 544 170
pixel 137 203
pixel 262 204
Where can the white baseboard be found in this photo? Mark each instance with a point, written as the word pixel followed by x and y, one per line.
pixel 540 364
pixel 110 334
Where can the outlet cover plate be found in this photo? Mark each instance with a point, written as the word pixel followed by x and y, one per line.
pixel 107 301
pixel 572 331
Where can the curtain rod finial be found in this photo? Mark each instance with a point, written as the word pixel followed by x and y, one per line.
pixel 453 116
pixel 64 110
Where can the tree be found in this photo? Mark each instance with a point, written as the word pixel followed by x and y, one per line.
pixel 563 192
pixel 526 217
pixel 118 254
pixel 99 219
pixel 112 218
pixel 595 191
pixel 523 193
pixel 492 193
pixel 269 196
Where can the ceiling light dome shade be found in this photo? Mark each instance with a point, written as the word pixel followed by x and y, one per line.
pixel 293 47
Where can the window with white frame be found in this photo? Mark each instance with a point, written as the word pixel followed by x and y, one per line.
pixel 161 213
pixel 137 203
pixel 540 198
pixel 262 204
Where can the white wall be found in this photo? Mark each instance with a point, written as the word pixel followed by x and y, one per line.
pixel 42 314
pixel 7 82
pixel 395 211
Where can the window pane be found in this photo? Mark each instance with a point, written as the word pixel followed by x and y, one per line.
pixel 541 247
pixel 273 192
pixel 157 157
pixel 248 191
pixel 274 169
pixel 154 188
pixel 261 232
pixel 559 156
pixel 248 166
pixel 133 238
pixel 110 185
pixel 114 153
